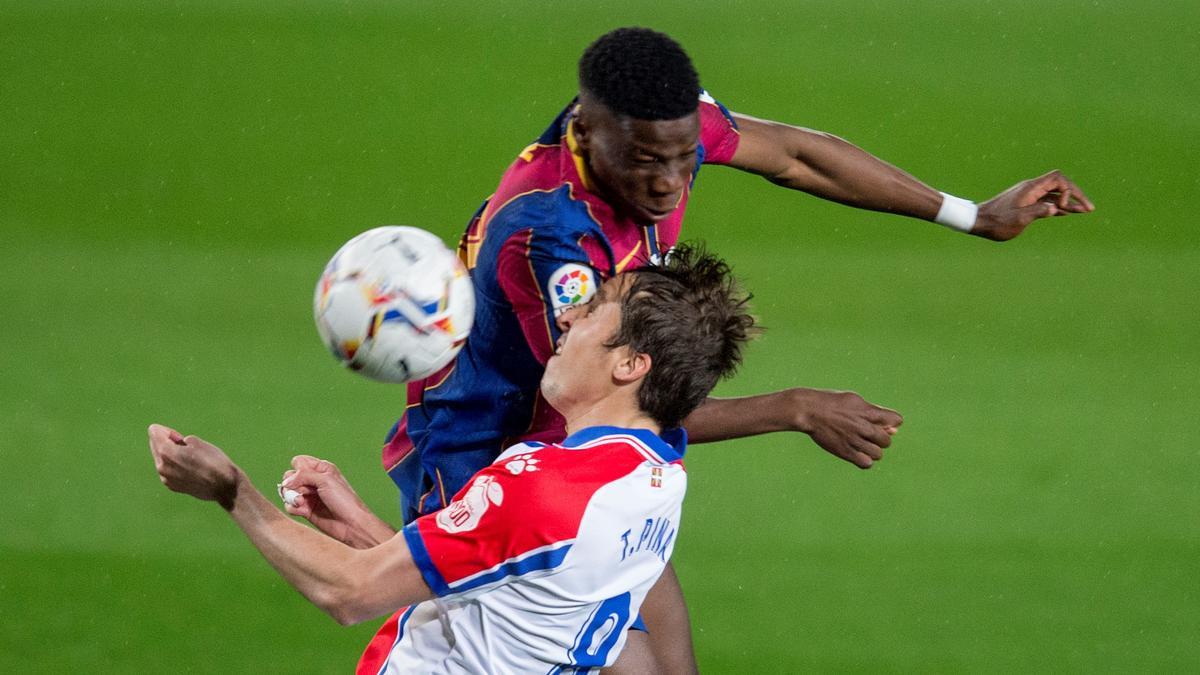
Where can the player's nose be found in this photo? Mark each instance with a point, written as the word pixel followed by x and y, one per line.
pixel 566 319
pixel 669 183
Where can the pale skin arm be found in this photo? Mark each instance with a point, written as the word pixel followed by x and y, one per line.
pixel 330 504
pixel 829 167
pixel 350 585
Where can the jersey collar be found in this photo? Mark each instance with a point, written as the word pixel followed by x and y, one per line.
pixel 670 445
pixel 577 154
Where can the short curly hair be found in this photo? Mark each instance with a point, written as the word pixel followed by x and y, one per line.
pixel 640 73
pixel 693 320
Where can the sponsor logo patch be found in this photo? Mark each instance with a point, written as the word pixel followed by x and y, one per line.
pixel 571 285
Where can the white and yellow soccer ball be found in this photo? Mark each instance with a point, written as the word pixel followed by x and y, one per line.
pixel 394 304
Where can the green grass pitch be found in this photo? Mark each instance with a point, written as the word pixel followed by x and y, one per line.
pixel 173 176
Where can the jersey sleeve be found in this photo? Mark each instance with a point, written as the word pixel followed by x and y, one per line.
pixel 505 523
pixel 540 282
pixel 718 132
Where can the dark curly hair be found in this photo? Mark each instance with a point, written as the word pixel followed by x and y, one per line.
pixel 640 73
pixel 691 317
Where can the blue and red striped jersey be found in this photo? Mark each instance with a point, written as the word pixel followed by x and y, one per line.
pixel 543 242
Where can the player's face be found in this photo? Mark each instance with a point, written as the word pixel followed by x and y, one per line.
pixel 641 167
pixel 581 368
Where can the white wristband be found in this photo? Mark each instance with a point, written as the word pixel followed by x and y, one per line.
pixel 957 213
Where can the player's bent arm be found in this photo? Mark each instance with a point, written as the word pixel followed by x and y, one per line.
pixel 843 423
pixel 349 584
pixel 829 167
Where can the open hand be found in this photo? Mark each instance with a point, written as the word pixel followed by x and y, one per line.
pixel 1008 214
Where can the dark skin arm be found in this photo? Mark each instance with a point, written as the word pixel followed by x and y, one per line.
pixel 829 167
pixel 668 647
pixel 841 422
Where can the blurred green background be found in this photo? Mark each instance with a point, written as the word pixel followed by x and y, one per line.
pixel 173 176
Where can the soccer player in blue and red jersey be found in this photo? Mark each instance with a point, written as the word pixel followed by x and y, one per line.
pixel 603 190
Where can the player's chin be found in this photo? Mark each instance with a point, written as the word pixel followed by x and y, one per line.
pixel 554 376
pixel 647 209
pixel 654 214
pixel 549 384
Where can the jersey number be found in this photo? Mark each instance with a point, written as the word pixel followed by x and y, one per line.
pixel 601 632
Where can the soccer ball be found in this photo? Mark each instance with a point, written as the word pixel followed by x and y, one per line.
pixel 394 304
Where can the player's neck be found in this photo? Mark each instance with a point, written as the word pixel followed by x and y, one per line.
pixel 610 413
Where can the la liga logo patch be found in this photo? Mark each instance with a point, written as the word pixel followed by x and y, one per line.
pixel 571 285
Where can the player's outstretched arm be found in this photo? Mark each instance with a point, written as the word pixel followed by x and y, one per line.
pixel 314 489
pixel 348 584
pixel 841 422
pixel 831 168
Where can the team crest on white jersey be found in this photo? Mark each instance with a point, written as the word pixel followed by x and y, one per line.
pixel 570 285
pixel 521 464
pixel 462 515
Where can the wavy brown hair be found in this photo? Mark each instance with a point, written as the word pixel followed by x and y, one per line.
pixel 692 318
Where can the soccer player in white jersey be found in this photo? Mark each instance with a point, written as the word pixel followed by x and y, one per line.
pixel 541 563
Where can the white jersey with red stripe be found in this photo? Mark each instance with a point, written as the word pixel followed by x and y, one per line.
pixel 542 561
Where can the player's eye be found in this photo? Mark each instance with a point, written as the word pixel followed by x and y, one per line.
pixel 687 158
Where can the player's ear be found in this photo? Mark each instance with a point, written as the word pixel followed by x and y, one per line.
pixel 632 367
pixel 582 129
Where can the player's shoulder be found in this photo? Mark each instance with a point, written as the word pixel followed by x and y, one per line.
pixel 549 211
pixel 711 107
pixel 538 166
pixel 719 135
